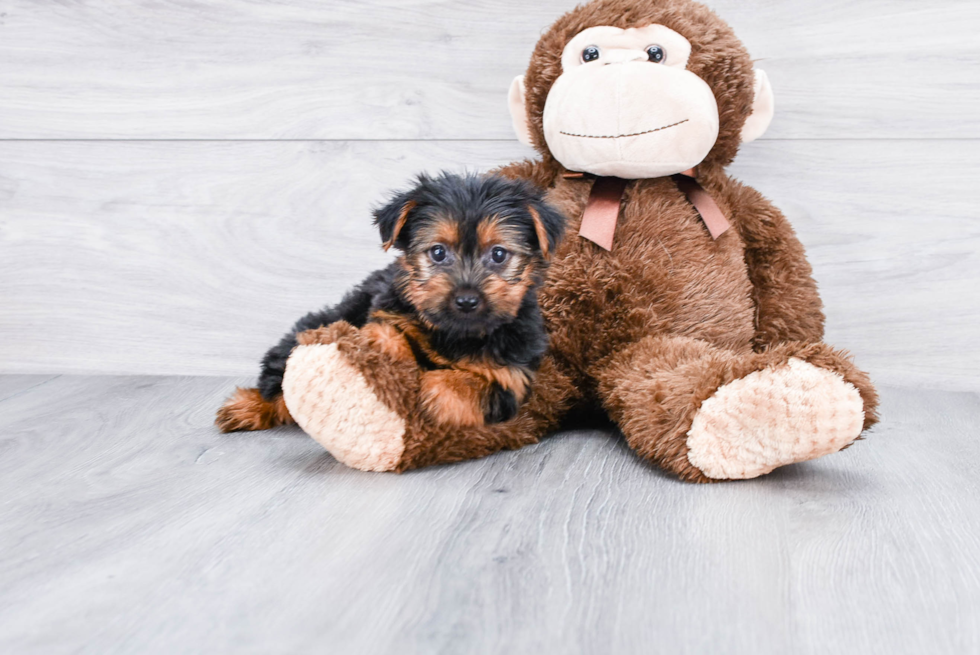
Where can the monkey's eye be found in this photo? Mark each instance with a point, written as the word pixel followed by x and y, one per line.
pixel 438 253
pixel 498 255
pixel 656 54
pixel 591 53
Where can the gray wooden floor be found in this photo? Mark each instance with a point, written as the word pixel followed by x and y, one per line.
pixel 128 524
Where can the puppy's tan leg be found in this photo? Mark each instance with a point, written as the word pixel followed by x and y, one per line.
pixel 514 379
pixel 388 340
pixel 452 397
pixel 246 409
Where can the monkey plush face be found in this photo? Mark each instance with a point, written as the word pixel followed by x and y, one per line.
pixel 626 105
pixel 639 100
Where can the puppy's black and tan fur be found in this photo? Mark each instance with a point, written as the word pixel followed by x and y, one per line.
pixel 461 301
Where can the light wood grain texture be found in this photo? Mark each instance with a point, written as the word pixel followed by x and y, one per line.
pixel 128 524
pixel 425 69
pixel 14 385
pixel 193 258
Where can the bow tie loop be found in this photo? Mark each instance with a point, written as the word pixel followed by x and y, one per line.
pixel 602 209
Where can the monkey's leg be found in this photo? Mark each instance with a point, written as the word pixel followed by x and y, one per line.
pixel 363 405
pixel 710 414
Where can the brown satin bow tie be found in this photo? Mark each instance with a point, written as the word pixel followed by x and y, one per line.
pixel 602 209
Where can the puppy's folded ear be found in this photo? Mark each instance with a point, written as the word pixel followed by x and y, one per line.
pixel 549 226
pixel 391 219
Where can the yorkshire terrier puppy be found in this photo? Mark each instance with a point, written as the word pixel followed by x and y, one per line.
pixel 460 301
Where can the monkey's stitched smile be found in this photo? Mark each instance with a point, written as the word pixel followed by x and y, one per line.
pixel 620 136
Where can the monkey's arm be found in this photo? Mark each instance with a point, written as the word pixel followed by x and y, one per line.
pixel 788 307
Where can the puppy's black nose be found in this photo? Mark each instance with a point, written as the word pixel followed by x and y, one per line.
pixel 467 301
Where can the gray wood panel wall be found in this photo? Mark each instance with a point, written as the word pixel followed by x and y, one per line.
pixel 180 181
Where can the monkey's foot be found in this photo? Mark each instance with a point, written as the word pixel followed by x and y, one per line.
pixel 347 396
pixel 773 417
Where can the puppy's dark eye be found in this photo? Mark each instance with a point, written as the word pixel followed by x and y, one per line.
pixel 498 255
pixel 656 54
pixel 438 253
pixel 590 54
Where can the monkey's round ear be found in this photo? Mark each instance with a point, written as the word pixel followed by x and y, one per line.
pixel 391 219
pixel 518 110
pixel 549 226
pixel 763 107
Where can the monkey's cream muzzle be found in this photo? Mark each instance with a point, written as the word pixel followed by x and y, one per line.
pixel 630 119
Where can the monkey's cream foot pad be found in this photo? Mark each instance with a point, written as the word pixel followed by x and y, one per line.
pixel 333 403
pixel 774 417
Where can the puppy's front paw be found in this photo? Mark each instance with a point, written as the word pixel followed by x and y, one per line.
pixel 501 405
pixel 452 398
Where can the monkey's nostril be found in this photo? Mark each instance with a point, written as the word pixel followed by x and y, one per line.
pixel 467 301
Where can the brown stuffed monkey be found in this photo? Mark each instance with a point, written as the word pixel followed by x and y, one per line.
pixel 681 304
